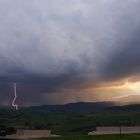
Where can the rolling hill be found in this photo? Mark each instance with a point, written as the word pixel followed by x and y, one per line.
pixel 74 107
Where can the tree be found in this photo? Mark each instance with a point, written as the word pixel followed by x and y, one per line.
pixel 6 130
pixel 10 130
pixel 2 130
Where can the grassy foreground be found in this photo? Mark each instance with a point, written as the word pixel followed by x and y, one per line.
pixel 69 123
pixel 99 137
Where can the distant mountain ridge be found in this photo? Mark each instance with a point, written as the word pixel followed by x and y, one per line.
pixel 80 106
pixel 131 107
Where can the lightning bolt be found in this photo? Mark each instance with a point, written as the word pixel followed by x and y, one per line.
pixel 15 97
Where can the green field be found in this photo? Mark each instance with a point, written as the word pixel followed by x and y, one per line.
pixel 100 137
pixel 69 123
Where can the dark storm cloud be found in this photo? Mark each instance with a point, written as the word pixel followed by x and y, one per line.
pixel 49 45
pixel 126 61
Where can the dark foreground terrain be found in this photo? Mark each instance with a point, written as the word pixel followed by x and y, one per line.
pixel 71 122
pixel 101 137
pixel 98 137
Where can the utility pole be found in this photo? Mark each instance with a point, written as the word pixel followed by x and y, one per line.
pixel 120 131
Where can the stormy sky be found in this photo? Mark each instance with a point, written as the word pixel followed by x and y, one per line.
pixel 61 51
